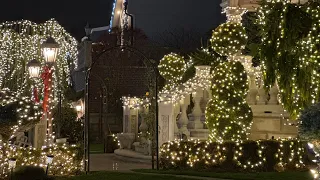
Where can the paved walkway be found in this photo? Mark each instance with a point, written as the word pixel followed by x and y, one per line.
pixel 113 162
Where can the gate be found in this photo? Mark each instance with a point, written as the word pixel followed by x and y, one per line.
pixel 117 72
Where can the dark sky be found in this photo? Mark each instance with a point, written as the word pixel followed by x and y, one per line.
pixel 72 14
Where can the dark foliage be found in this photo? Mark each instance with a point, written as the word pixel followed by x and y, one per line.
pixel 29 173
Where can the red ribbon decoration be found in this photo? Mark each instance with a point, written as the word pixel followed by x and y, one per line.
pixel 35 95
pixel 46 77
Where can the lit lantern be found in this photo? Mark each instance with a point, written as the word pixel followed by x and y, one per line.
pixel 34 68
pixel 49 159
pixel 78 108
pixel 50 50
pixel 12 163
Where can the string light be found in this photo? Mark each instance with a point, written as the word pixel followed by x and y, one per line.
pixel 195 153
pixel 135 103
pixel 21 42
pixel 172 67
pixel 229 38
pixel 176 92
pixel 228 116
pixel 27 111
pixel 66 159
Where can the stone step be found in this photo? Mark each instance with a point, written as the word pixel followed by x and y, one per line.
pixel 201 134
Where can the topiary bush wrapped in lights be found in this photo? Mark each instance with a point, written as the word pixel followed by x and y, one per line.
pixel 228 116
pixel 229 38
pixel 250 156
pixel 172 67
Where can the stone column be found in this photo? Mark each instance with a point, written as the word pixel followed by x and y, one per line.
pixel 262 94
pixel 274 91
pixel 183 121
pixel 196 112
pixel 253 90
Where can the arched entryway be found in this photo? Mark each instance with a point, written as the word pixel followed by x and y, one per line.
pixel 120 71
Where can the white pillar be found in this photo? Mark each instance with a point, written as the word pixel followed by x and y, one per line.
pixel 166 122
pixel 183 121
pixel 130 115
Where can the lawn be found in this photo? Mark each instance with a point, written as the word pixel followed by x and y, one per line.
pixel 238 176
pixel 121 176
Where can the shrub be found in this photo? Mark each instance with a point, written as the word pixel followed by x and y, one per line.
pixel 257 156
pixel 309 129
pixel 229 38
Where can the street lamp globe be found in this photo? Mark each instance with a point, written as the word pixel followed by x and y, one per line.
pixel 34 68
pixel 50 50
pixel 49 159
pixel 12 163
pixel 78 108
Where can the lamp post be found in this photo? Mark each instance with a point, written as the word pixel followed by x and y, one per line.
pixel 12 164
pixel 50 50
pixel 49 162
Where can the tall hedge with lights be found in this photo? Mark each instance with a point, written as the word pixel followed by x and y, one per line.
pixel 289 51
pixel 228 116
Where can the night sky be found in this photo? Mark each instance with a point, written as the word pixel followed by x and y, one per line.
pixel 74 14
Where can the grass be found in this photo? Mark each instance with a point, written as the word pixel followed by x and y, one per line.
pixel 96 148
pixel 104 175
pixel 238 176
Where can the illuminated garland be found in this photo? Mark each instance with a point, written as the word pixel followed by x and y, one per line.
pixel 172 67
pixel 67 159
pixel 27 111
pixel 229 38
pixel 134 102
pixel 255 156
pixel 228 116
pixel 177 92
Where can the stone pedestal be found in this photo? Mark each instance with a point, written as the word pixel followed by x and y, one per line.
pixel 126 140
pixel 40 133
pixel 269 121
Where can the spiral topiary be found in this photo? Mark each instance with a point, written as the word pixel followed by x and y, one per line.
pixel 229 38
pixel 228 116
pixel 172 67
